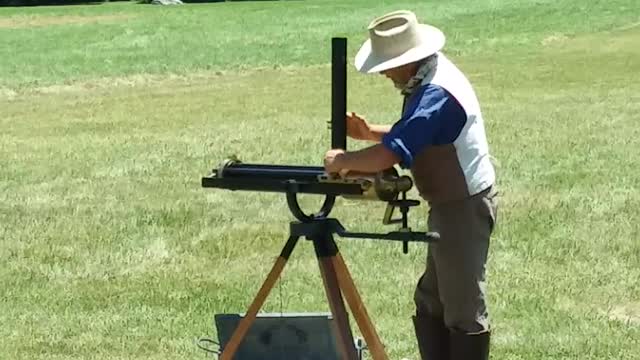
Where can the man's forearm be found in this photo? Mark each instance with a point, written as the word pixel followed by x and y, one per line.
pixel 378 131
pixel 370 160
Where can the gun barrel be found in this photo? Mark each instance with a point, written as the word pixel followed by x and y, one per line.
pixel 285 172
pixel 278 178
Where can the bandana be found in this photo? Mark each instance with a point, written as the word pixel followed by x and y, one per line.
pixel 426 69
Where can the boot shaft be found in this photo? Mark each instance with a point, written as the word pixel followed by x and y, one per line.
pixel 432 336
pixel 469 347
pixel 437 342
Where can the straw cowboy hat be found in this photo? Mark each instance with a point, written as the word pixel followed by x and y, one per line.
pixel 397 39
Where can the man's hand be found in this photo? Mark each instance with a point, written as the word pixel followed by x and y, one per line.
pixel 333 163
pixel 357 127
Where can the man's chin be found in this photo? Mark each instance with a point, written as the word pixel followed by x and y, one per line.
pixel 399 85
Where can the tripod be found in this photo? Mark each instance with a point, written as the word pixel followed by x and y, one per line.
pixel 335 275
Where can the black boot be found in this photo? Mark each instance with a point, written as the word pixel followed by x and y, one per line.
pixel 469 347
pixel 432 336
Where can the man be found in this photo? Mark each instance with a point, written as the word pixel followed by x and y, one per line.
pixel 440 137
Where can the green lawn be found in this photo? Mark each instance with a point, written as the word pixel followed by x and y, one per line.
pixel 110 114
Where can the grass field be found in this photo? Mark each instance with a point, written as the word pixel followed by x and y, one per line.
pixel 110 114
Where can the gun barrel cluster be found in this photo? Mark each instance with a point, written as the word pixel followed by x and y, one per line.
pixel 235 175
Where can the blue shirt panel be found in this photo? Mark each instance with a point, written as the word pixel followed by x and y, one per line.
pixel 432 116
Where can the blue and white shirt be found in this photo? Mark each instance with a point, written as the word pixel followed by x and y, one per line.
pixel 441 137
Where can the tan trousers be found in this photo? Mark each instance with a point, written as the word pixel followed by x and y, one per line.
pixel 453 284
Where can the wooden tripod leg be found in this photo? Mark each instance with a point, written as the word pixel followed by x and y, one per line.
pixel 343 330
pixel 239 333
pixel 325 249
pixel 358 309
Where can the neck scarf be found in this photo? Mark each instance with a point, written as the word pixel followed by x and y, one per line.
pixel 426 69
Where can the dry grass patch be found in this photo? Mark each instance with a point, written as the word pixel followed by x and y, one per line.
pixel 628 314
pixel 625 39
pixel 167 80
pixel 21 22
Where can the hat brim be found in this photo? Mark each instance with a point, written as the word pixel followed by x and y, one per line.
pixel 432 41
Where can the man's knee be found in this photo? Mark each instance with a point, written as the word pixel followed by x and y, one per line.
pixel 459 312
pixel 426 296
pixel 428 303
pixel 466 312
